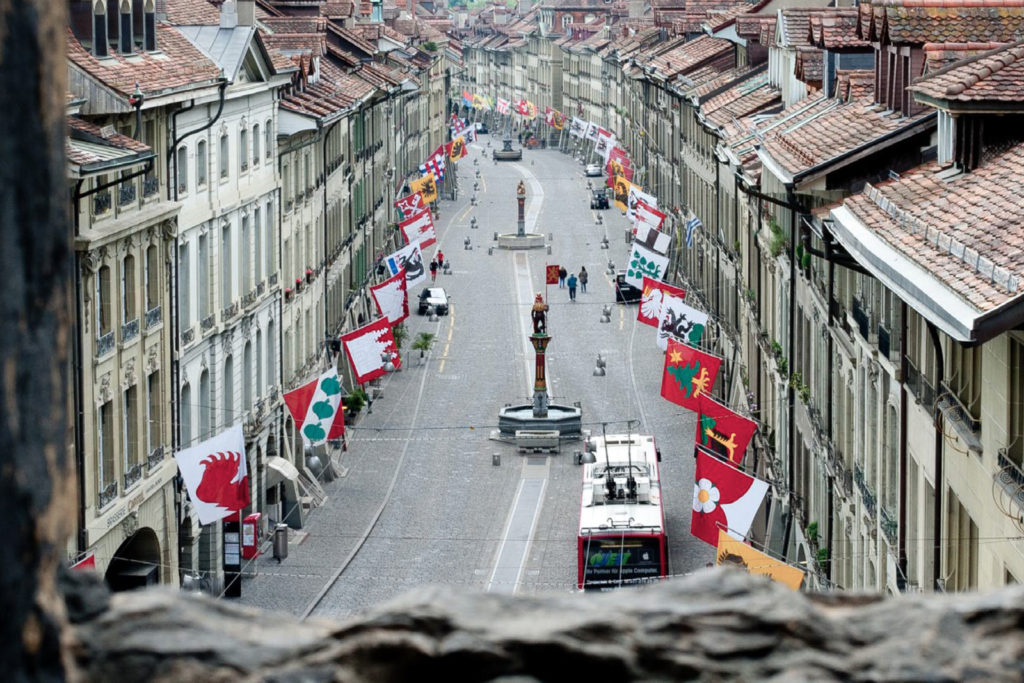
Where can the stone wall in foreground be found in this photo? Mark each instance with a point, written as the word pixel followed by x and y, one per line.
pixel 716 625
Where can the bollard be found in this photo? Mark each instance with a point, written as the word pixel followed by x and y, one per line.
pixel 490 251
pixel 496 459
pixel 549 249
pixel 495 235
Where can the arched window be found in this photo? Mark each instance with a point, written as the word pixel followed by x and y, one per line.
pixel 205 405
pixel 224 156
pixel 99 29
pixel 247 376
pixel 128 312
pixel 182 165
pixel 202 165
pixel 256 145
pixel 228 414
pixel 185 418
pixel 243 150
pixel 103 303
pixel 268 135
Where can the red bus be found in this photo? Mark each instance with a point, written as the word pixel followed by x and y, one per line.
pixel 622 536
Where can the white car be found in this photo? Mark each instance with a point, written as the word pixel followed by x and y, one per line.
pixel 593 170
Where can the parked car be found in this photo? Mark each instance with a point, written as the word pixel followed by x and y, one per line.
pixel 599 199
pixel 433 298
pixel 593 170
pixel 625 292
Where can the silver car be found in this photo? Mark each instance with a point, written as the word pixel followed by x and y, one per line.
pixel 593 170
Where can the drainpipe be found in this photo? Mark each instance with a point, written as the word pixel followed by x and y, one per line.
pixel 902 531
pixel 79 398
pixel 937 522
pixel 790 394
pixel 173 284
pixel 830 402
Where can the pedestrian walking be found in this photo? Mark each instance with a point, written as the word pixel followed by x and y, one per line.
pixel 583 279
pixel 440 259
pixel 572 288
pixel 562 272
pixel 433 270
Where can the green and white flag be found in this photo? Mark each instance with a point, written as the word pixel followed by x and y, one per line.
pixel 317 410
pixel 644 261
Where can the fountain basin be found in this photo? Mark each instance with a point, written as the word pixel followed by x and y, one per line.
pixel 507 155
pixel 567 420
pixel 512 240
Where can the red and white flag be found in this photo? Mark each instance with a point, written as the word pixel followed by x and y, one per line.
pixel 648 215
pixel 723 499
pixel 652 238
pixel 419 228
pixel 216 475
pixel 366 348
pixel 654 293
pixel 722 430
pixel 410 204
pixel 502 106
pixel 392 298
pixel 316 409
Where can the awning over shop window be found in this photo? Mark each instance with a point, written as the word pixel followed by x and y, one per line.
pixel 279 469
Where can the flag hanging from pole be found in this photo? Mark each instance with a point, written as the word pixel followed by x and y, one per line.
pixel 216 474
pixel 644 262
pixel 503 106
pixel 689 373
pixel 411 204
pixel 652 238
pixel 678 320
pixel 426 187
pixel 366 348
pixel 410 258
pixel 316 409
pixel 692 225
pixel 578 127
pixel 419 228
pixel 392 298
pixel 552 275
pixel 721 430
pixel 648 214
pixel 637 194
pixel 733 553
pixel 724 499
pixel 654 292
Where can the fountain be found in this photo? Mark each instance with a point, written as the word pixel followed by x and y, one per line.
pixel 521 239
pixel 507 153
pixel 540 418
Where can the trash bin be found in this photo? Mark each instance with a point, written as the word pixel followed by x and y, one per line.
pixel 280 542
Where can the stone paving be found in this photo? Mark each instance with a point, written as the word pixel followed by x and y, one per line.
pixel 422 460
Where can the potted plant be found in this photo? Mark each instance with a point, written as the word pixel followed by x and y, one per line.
pixel 423 343
pixel 355 401
pixel 309 274
pixel 400 334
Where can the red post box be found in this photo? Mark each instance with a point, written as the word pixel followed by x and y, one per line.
pixel 251 536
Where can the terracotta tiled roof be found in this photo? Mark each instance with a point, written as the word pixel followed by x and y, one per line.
pixel 704 80
pixel 995 76
pixel 179 65
pixel 313 43
pixel 917 22
pixel 93 135
pixel 855 84
pixel 296 24
pixel 747 97
pixel 682 55
pixel 321 100
pixel 337 9
pixel 967 232
pixel 768 32
pixel 193 12
pixel 795 25
pixel 940 55
pixel 809 64
pixel 353 39
pixel 842 129
pixel 353 86
pixel 836 30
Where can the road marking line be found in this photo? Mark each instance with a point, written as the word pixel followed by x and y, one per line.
pixel 515 543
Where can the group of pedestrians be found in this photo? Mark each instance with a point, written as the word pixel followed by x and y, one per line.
pixel 436 264
pixel 571 281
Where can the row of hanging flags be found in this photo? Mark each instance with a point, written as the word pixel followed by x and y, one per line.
pixel 216 472
pixel 725 498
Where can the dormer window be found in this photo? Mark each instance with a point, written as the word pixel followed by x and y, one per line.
pixel 566 20
pixel 125 42
pixel 149 26
pixel 99 29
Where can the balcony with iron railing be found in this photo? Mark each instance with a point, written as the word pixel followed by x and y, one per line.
pixel 867 496
pixel 107 494
pixel 890 527
pixel 861 317
pixel 105 344
pixel 154 317
pixel 133 475
pixel 154 459
pixel 229 312
pixel 126 193
pixel 1010 478
pixel 967 427
pixel 207 323
pixel 101 203
pixel 920 386
pixel 150 186
pixel 130 330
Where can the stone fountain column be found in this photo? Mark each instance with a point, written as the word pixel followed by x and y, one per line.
pixel 540 385
pixel 521 198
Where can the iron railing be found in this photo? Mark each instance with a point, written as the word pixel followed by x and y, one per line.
pixel 861 317
pixel 955 410
pixel 105 344
pixel 150 186
pixel 154 316
pixel 125 193
pixel 1011 478
pixel 272 279
pixel 919 385
pixel 207 323
pixel 890 526
pixel 867 496
pixel 130 330
pixel 188 336
pixel 101 203
pixel 155 458
pixel 107 494
pixel 229 312
pixel 132 475
pixel 884 341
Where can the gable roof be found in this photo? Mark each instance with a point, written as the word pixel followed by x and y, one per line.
pixel 989 77
pixel 953 248
pixel 916 22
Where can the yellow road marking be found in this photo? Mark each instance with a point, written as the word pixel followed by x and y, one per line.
pixel 451 328
pixel 622 317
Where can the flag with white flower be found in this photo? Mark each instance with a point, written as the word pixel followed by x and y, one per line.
pixel 723 499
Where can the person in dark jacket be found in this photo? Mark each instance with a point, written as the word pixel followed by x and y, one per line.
pixel 583 278
pixel 562 273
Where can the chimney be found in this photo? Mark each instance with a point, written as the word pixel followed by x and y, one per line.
pixel 228 14
pixel 246 12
